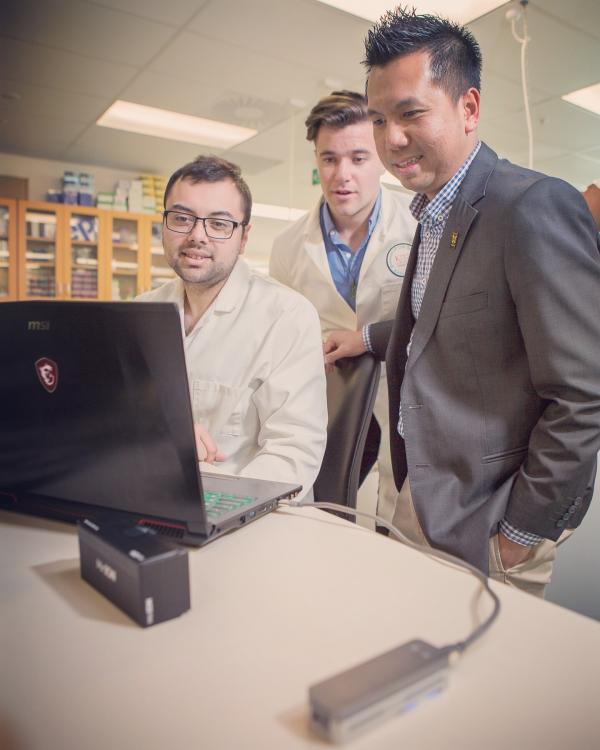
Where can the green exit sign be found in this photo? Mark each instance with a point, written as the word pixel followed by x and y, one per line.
pixel 315 177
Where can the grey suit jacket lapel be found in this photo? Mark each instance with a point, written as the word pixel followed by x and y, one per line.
pixel 457 227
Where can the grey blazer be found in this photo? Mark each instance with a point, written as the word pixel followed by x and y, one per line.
pixel 501 391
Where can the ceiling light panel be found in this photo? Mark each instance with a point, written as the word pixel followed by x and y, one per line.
pixel 587 98
pixel 174 126
pixel 461 11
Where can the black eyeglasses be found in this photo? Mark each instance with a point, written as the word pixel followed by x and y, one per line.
pixel 215 227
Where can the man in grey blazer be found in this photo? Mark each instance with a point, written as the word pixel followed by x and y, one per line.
pixel 493 358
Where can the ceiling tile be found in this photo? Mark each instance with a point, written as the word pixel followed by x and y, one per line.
pixel 119 149
pixel 85 29
pixel 171 13
pixel 560 124
pixel 44 101
pixel 579 172
pixel 199 59
pixel 43 66
pixel 23 132
pixel 592 153
pixel 551 45
pixel 583 15
pixel 306 34
pixel 500 96
pixel 209 100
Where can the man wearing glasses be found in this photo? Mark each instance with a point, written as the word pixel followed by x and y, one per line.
pixel 253 348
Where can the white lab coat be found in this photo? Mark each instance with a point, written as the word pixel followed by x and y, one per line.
pixel 299 260
pixel 257 382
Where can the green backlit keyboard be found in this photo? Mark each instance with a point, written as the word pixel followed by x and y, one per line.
pixel 219 503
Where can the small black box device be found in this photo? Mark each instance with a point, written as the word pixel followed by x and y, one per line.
pixel 145 576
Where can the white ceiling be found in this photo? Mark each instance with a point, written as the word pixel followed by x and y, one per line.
pixel 68 60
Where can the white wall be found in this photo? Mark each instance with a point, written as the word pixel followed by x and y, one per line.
pixel 44 174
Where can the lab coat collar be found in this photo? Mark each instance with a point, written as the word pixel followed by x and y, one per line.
pixel 382 229
pixel 230 296
pixel 234 289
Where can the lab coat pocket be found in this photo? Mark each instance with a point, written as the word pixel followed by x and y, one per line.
pixel 217 406
pixel 390 294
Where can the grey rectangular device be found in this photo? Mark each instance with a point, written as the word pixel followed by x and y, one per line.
pixel 353 701
pixel 97 421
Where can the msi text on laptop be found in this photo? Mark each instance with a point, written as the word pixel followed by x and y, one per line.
pixel 95 419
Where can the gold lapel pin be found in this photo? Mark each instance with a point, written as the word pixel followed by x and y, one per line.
pixel 454 239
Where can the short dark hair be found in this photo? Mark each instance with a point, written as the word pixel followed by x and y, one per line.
pixel 339 109
pixel 454 54
pixel 213 169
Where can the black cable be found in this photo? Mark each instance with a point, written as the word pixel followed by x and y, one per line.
pixel 459 646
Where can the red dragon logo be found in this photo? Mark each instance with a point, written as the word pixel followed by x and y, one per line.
pixel 47 372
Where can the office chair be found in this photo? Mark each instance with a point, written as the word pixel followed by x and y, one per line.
pixel 351 390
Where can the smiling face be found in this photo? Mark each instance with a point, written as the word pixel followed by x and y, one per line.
pixel 196 258
pixel 422 135
pixel 349 169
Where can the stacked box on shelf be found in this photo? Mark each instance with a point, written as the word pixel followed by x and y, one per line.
pixel 105 200
pixel 135 196
pixel 70 187
pixel 120 197
pixel 85 196
pixel 84 283
pixel 154 188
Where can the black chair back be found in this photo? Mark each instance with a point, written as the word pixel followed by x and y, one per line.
pixel 351 390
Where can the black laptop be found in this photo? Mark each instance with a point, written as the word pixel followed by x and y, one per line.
pixel 96 421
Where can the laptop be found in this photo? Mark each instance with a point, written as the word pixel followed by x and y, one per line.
pixel 96 421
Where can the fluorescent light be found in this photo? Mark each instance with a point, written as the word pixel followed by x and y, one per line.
pixel 137 118
pixel 587 98
pixel 283 213
pixel 462 11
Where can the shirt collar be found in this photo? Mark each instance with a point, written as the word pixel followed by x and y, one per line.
pixel 329 227
pixel 228 297
pixel 425 210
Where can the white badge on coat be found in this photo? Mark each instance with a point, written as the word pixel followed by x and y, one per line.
pixel 397 258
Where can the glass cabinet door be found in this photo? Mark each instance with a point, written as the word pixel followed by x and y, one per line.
pixel 8 255
pixel 160 270
pixel 84 232
pixel 125 264
pixel 39 257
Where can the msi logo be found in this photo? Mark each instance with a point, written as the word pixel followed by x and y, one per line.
pixel 47 372
pixel 106 570
pixel 38 325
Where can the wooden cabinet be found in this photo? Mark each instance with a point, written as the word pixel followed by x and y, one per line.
pixel 85 253
pixel 40 262
pixel 54 251
pixel 125 268
pixel 8 249
pixel 158 270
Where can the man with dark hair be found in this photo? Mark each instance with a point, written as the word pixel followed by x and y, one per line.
pixel 492 358
pixel 253 348
pixel 348 255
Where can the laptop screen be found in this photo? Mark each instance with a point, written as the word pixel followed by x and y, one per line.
pixel 94 405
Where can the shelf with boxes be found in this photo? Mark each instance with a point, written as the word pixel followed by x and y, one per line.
pixel 8 249
pixel 70 251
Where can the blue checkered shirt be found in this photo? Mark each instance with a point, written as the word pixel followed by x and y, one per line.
pixel 432 217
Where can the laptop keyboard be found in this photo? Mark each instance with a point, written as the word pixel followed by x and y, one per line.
pixel 219 503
